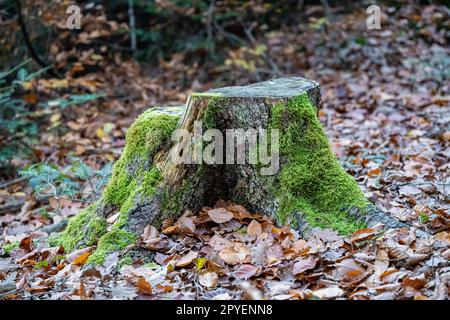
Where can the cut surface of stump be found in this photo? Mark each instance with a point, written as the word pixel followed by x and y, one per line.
pixel 309 188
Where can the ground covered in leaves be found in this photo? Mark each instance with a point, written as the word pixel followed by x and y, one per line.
pixel 386 110
pixel 226 253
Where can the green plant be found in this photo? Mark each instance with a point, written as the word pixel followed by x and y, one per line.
pixel 75 181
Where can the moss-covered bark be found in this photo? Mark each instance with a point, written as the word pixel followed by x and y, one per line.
pixel 311 189
pixel 312 182
pixel 134 181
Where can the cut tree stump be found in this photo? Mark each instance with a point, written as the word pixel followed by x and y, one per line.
pixel 306 188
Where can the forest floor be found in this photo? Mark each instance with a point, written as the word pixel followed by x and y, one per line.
pixel 386 110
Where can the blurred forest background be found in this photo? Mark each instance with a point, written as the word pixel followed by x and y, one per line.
pixel 68 96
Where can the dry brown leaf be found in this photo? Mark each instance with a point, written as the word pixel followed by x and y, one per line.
pixel 186 225
pixel 246 271
pixel 187 259
pixel 133 274
pixel 82 258
pixel 208 279
pixel 254 228
pixel 345 266
pixel 143 286
pixel 166 223
pixel 381 262
pixel 171 230
pixel 416 282
pixel 299 245
pixel 150 235
pixel 304 265
pixel 274 253
pixel 234 253
pixel 443 236
pixel 445 136
pixel 113 218
pixel 415 258
pixel 363 234
pixel 220 215
pixel 26 243
pixel 329 293
pixel 397 253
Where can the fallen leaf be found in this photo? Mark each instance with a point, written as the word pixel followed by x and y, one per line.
pixel 304 265
pixel 374 172
pixel 26 243
pixel 220 215
pixel 208 279
pixel 79 257
pixel 234 253
pixel 246 271
pixel 122 292
pixel 171 230
pixel 362 234
pixel 409 191
pixel 445 136
pixel 254 228
pixel 186 225
pixel 416 282
pixel 113 218
pixel 144 287
pixel 328 293
pixel 415 258
pixel 187 259
pixel 299 245
pixel 150 236
pixel 381 262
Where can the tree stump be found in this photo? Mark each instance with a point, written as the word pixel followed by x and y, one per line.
pixel 161 173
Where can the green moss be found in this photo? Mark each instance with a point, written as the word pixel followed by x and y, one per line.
pixel 8 248
pixel 206 94
pixel 151 179
pixel 118 238
pixel 120 184
pixel 132 177
pixel 313 182
pixel 126 260
pixel 83 230
pixel 151 129
pixel 115 240
pixel 214 106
